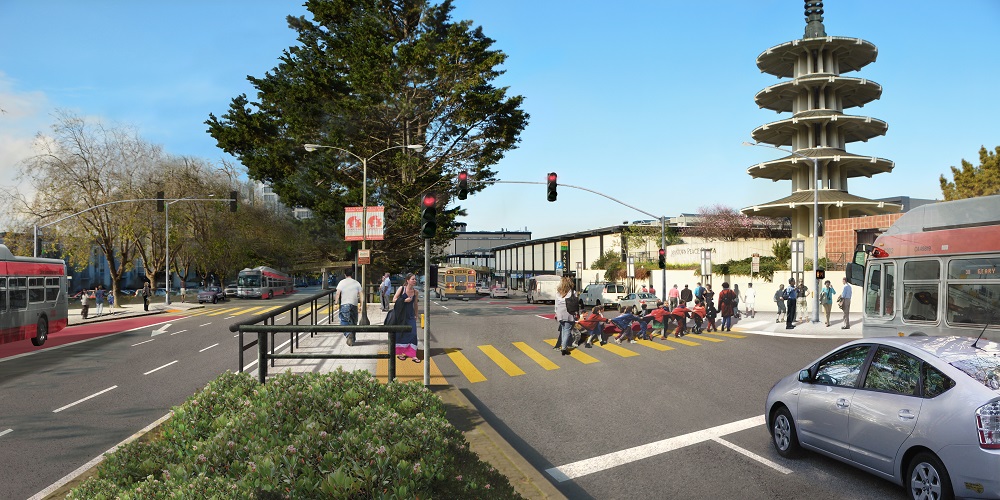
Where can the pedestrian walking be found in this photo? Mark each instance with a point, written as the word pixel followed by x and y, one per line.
pixel 111 300
pixel 708 295
pixel 146 293
pixel 184 292
pixel 686 295
pixel 750 300
pixel 84 303
pixel 736 300
pixel 710 314
pixel 698 314
pixel 99 300
pixel 348 294
pixel 789 295
pixel 385 291
pixel 406 342
pixel 594 324
pixel 727 307
pixel 563 316
pixel 845 297
pixel 779 299
pixel 826 299
pixel 802 310
pixel 699 292
pixel 673 297
pixel 680 314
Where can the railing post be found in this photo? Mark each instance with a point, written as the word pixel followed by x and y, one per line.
pixel 262 356
pixel 239 369
pixel 392 357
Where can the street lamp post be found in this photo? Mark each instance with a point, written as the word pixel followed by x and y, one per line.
pixel 815 219
pixel 364 210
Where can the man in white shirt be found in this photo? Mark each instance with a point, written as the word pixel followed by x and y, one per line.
pixel 749 298
pixel 348 295
pixel 385 291
pixel 846 296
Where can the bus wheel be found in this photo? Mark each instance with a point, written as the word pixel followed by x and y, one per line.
pixel 41 332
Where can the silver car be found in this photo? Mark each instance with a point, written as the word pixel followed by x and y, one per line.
pixel 922 412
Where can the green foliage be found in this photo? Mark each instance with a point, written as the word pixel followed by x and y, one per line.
pixel 337 435
pixel 368 76
pixel 782 251
pixel 768 265
pixel 611 262
pixel 972 181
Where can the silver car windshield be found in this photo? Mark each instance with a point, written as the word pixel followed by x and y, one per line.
pixel 982 368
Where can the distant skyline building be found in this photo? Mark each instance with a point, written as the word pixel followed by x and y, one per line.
pixel 816 96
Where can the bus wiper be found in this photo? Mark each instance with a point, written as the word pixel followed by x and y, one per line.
pixel 992 313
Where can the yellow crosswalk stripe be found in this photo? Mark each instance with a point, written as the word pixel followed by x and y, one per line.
pixel 680 341
pixel 536 356
pixel 619 350
pixel 222 311
pixel 730 335
pixel 249 309
pixel 465 366
pixel 502 361
pixel 702 336
pixel 655 345
pixel 576 354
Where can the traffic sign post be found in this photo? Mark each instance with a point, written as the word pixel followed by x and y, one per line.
pixel 364 257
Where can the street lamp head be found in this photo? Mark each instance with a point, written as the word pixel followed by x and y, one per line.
pixel 746 143
pixel 416 147
pixel 311 147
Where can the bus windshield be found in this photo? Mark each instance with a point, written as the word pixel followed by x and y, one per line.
pixel 248 280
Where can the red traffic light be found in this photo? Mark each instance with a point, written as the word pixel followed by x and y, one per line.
pixel 663 252
pixel 429 200
pixel 463 175
pixel 552 177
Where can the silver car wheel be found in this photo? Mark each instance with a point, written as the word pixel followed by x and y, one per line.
pixel 928 478
pixel 782 432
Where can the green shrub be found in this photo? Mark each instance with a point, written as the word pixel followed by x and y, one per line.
pixel 335 435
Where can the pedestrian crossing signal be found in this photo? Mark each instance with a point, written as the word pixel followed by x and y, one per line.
pixel 820 273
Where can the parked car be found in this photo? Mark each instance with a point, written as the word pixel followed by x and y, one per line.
pixel 922 412
pixel 498 290
pixel 482 288
pixel 211 294
pixel 607 294
pixel 230 290
pixel 641 300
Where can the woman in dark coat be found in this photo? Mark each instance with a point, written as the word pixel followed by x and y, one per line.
pixel 727 307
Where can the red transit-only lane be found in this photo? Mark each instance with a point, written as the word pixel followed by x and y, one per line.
pixel 82 332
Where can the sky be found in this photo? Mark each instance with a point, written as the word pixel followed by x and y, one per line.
pixel 647 102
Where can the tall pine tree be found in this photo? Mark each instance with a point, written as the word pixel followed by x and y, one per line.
pixel 974 180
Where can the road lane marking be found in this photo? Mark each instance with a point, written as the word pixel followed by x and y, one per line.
pixel 619 350
pixel 752 455
pixel 143 342
pixel 604 462
pixel 655 345
pixel 701 336
pixel 223 311
pixel 209 347
pixel 8 431
pixel 206 324
pixel 576 354
pixel 680 341
pixel 160 368
pixel 730 335
pixel 465 366
pixel 536 356
pixel 179 331
pixel 502 361
pixel 57 410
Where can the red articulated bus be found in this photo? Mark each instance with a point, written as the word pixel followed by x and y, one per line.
pixel 33 300
pixel 262 282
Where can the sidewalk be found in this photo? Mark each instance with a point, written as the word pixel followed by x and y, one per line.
pixel 128 311
pixel 764 323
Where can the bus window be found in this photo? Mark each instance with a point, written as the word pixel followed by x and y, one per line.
pixel 872 297
pixel 920 290
pixel 18 290
pixel 889 303
pixel 36 290
pixel 51 289
pixel 973 291
pixel 3 294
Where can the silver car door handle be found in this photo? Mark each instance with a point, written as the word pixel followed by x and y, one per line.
pixel 842 403
pixel 906 414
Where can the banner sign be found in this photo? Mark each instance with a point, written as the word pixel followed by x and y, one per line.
pixel 354 224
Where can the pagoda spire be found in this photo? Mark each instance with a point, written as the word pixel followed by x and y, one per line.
pixel 814 19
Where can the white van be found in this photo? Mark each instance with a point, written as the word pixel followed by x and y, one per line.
pixel 606 294
pixel 543 288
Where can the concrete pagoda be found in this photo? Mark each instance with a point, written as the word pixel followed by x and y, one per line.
pixel 817 96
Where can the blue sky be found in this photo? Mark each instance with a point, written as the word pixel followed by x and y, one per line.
pixel 645 101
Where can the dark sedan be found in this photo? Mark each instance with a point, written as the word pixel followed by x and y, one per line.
pixel 211 294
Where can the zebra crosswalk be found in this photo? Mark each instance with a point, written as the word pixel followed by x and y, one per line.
pixel 515 363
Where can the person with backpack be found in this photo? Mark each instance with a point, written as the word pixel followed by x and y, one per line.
pixel 778 299
pixel 826 299
pixel 789 295
pixel 727 307
pixel 563 316
pixel 594 324
pixel 710 313
pixel 698 313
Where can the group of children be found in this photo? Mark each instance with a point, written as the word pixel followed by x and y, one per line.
pixel 594 327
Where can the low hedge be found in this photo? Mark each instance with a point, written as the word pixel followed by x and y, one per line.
pixel 333 435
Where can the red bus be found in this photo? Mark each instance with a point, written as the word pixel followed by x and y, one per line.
pixel 934 272
pixel 262 282
pixel 33 300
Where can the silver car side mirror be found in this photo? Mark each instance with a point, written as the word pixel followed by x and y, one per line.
pixel 804 376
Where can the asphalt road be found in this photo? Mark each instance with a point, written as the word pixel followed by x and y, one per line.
pixel 637 422
pixel 49 427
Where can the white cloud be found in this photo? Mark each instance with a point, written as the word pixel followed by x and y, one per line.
pixel 24 114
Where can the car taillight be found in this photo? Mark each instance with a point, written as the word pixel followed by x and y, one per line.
pixel 988 421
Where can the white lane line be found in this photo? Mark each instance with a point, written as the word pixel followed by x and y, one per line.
pixel 747 453
pixel 8 431
pixel 209 347
pixel 206 324
pixel 180 331
pixel 615 459
pixel 160 368
pixel 84 399
pixel 231 317
pixel 143 342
